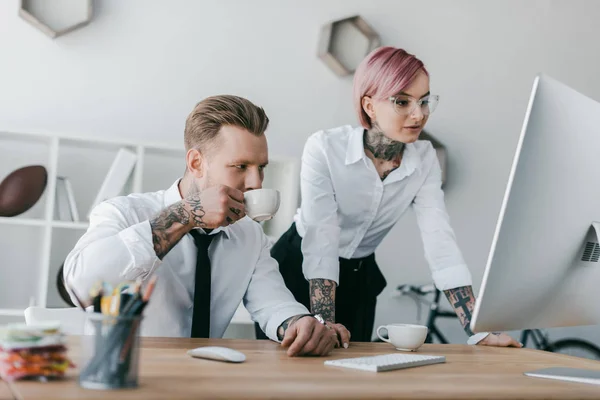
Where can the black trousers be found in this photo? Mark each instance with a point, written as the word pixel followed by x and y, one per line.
pixel 360 282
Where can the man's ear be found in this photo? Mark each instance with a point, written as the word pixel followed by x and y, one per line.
pixel 195 163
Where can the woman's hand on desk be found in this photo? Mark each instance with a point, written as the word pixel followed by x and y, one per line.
pixel 343 335
pixel 306 336
pixel 499 340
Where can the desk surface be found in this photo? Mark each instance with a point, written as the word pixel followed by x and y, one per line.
pixel 469 372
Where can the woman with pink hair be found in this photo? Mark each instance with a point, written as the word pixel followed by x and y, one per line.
pixel 356 182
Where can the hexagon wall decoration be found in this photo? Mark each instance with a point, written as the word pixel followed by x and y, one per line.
pixel 56 17
pixel 345 42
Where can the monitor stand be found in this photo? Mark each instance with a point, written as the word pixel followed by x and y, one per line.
pixel 568 374
pixel 590 253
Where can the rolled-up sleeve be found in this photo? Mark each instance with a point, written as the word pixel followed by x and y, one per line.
pixel 445 259
pixel 267 299
pixel 111 250
pixel 320 243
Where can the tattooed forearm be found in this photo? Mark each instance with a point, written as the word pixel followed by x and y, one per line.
pixel 380 145
pixel 462 300
pixel 165 228
pixel 175 221
pixel 322 298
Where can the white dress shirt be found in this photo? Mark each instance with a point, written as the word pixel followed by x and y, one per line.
pixel 118 246
pixel 347 209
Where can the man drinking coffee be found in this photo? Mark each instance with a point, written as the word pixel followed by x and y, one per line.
pixel 196 238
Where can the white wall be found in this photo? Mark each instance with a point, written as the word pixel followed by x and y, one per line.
pixel 141 65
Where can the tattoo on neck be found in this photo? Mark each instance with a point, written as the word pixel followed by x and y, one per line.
pixel 380 145
pixel 322 298
pixel 463 301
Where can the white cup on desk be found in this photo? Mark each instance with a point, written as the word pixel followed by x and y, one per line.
pixel 405 337
pixel 262 204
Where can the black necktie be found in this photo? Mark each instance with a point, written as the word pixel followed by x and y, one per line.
pixel 201 313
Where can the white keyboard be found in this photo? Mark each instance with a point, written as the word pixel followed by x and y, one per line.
pixel 386 362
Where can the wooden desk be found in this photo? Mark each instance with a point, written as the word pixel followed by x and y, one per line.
pixel 167 372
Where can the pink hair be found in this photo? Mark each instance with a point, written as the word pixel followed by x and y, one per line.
pixel 385 72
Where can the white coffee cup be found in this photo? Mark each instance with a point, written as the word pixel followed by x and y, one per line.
pixel 262 204
pixel 404 337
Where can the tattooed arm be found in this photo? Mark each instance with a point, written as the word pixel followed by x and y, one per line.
pixel 462 300
pixel 322 301
pixel 322 298
pixel 213 207
pixel 174 222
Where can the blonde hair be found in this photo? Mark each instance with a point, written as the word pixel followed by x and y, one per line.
pixel 206 119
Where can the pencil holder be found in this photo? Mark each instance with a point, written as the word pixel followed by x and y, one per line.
pixel 110 355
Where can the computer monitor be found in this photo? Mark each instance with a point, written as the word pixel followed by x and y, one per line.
pixel 543 268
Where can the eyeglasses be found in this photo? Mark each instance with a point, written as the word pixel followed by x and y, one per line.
pixel 406 105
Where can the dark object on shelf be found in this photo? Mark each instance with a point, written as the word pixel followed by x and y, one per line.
pixel 20 190
pixel 60 285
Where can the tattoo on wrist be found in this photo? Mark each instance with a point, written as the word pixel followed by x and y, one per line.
pixel 286 324
pixel 380 145
pixel 463 301
pixel 163 227
pixel 322 298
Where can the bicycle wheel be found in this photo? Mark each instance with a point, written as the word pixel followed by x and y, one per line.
pixel 575 348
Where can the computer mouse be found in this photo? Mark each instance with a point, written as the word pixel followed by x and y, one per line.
pixel 218 353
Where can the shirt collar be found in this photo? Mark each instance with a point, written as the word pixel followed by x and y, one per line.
pixel 412 158
pixel 172 195
pixel 355 150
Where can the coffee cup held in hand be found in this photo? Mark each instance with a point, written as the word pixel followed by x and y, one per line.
pixel 404 337
pixel 261 204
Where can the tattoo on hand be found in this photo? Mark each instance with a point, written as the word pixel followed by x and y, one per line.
pixel 322 298
pixel 236 211
pixel 463 301
pixel 162 227
pixel 197 210
pixel 380 145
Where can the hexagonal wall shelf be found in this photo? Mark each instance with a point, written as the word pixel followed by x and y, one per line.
pixel 56 17
pixel 440 151
pixel 344 43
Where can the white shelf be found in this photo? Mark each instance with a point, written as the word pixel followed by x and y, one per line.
pixel 41 223
pixel 12 312
pixel 70 225
pixel 22 221
pixel 85 161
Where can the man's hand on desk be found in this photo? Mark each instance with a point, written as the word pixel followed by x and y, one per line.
pixel 499 340
pixel 304 335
